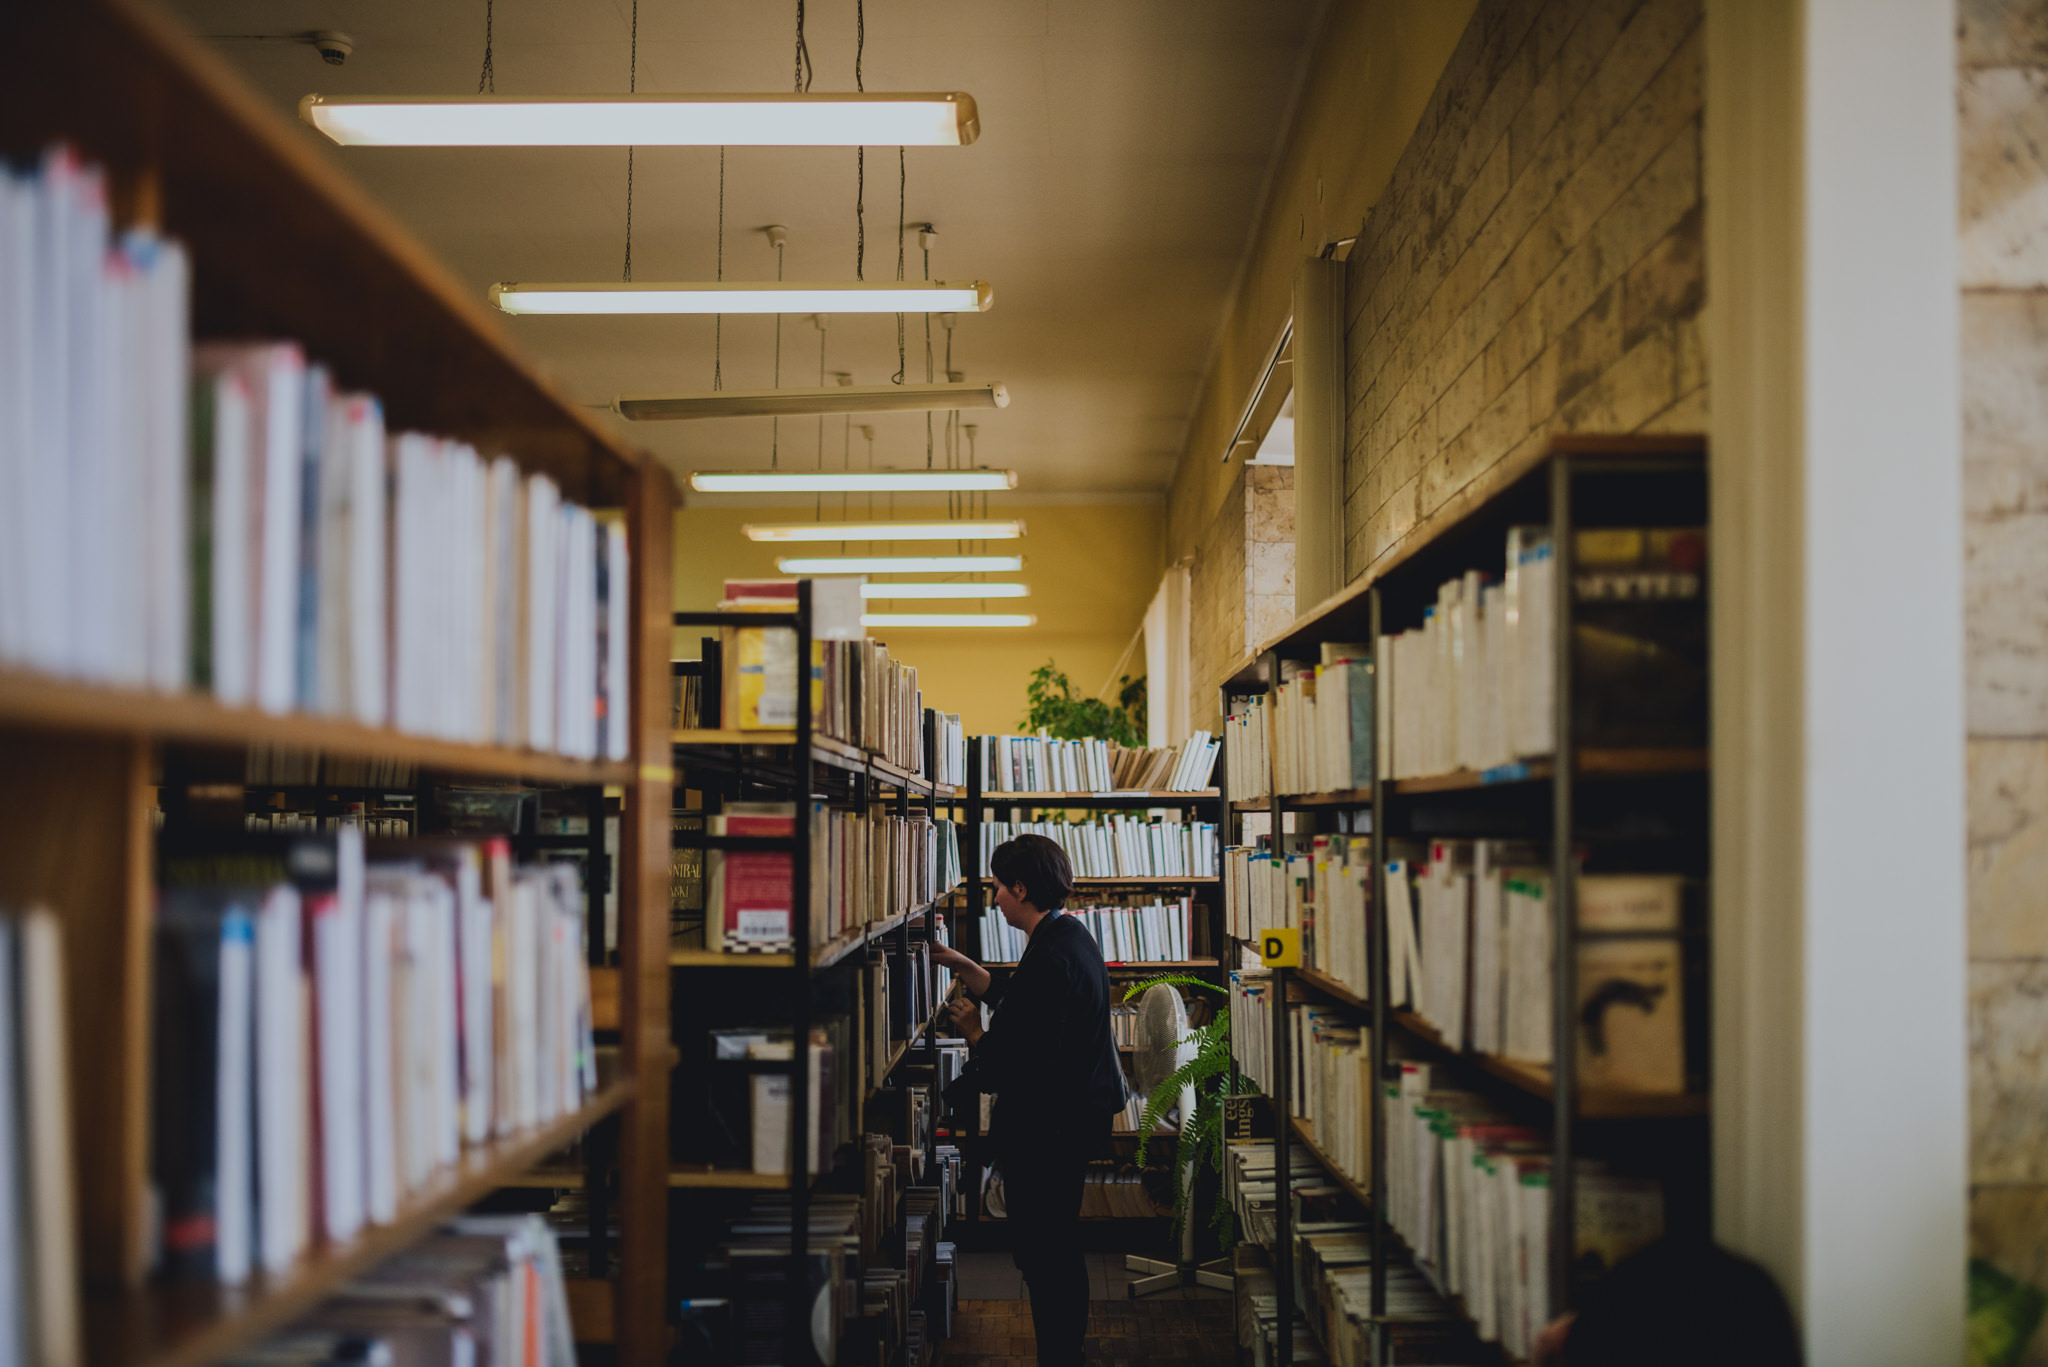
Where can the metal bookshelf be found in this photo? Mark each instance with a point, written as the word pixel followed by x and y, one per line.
pixel 812 772
pixel 1636 808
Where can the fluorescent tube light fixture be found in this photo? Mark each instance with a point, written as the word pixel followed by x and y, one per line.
pixel 806 403
pixel 903 564
pixel 944 591
pixel 947 619
pixel 826 119
pixel 851 481
pixel 886 531
pixel 744 296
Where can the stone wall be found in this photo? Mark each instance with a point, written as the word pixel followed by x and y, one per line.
pixel 1241 589
pixel 1216 604
pixel 1535 265
pixel 2003 248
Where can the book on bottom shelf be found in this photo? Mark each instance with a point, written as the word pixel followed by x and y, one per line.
pixel 39 1267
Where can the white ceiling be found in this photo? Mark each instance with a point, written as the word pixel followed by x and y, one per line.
pixel 1125 147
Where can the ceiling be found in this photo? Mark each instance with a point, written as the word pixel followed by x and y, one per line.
pixel 1124 152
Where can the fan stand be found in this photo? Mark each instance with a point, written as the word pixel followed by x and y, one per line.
pixel 1166 1276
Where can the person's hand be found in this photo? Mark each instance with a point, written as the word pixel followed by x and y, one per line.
pixel 1549 1347
pixel 945 956
pixel 963 1017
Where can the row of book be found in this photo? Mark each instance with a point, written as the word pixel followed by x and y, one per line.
pixel 1322 722
pixel 482 1289
pixel 1471 945
pixel 224 518
pixel 1150 932
pixel 859 692
pixel 1248 735
pixel 1474 686
pixel 1324 891
pixel 39 1267
pixel 1470 1192
pixel 334 1025
pixel 864 867
pixel 1040 764
pixel 1117 845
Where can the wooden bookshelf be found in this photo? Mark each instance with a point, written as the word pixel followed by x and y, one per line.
pixel 824 749
pixel 1325 986
pixel 1131 798
pixel 285 245
pixel 51 704
pixel 185 1326
pixel 828 954
pixel 1135 881
pixel 1591 764
pixel 1348 797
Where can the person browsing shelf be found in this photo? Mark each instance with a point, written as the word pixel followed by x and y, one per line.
pixel 1050 1059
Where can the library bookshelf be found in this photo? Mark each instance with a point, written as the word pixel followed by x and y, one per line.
pixel 284 246
pixel 1614 807
pixel 813 773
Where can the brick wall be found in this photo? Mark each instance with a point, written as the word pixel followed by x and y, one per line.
pixel 1535 264
pixel 1216 604
pixel 2003 241
pixel 1269 551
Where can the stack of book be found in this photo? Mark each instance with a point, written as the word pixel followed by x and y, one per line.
pixel 1322 723
pixel 482 1289
pixel 1119 846
pixel 1118 1192
pixel 1470 1193
pixel 1470 946
pixel 949 749
pixel 226 519
pixel 1249 775
pixel 332 1029
pixel 1324 891
pixel 1473 687
pixel 1151 932
pixel 1250 1185
pixel 1251 1025
pixel 39 1268
pixel 1040 764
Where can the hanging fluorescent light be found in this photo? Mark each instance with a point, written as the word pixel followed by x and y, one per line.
pixel 944 591
pixel 834 119
pixel 806 403
pixel 851 481
pixel 903 564
pixel 947 619
pixel 745 296
pixel 886 531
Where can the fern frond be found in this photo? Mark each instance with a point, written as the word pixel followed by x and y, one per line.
pixel 1178 979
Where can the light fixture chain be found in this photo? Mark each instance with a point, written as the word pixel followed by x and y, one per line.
pixel 803 53
pixel 860 154
pixel 632 87
pixel 902 188
pixel 487 79
pixel 923 238
pixel 775 428
pixel 718 320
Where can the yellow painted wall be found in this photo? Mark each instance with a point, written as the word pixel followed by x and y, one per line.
pixel 1092 569
pixel 1374 68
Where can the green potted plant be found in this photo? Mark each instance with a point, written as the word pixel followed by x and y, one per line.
pixel 1052 707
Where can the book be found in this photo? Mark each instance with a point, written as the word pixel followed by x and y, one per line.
pixel 1119 845
pixel 748 904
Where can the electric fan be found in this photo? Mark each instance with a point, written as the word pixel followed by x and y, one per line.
pixel 1162 1046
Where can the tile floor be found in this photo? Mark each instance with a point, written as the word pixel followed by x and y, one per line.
pixel 1188 1326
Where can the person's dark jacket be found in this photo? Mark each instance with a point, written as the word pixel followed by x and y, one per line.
pixel 1049 1054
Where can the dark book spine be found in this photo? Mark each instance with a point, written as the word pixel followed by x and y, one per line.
pixel 183 1083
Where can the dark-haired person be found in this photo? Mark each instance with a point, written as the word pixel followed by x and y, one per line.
pixel 1049 1057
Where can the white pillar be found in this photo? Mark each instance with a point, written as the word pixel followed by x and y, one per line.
pixel 1841 1078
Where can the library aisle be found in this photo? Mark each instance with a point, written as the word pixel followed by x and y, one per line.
pixel 862 683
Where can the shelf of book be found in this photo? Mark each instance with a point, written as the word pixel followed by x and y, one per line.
pixel 1592 764
pixel 1536 1080
pixel 824 749
pixel 1305 1131
pixel 1323 985
pixel 1130 965
pixel 1136 881
pixel 1132 798
pixel 36 700
pixel 826 956
pixel 186 1326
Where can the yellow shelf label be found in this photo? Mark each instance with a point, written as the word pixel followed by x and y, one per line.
pixel 1280 948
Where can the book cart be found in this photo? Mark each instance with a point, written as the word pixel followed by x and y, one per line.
pixel 813 772
pixel 1612 809
pixel 980 806
pixel 284 246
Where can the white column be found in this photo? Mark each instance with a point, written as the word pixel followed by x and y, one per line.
pixel 1841 1078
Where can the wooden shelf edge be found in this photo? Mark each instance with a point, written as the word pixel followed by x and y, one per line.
pixel 1342 797
pixel 1305 1131
pixel 1591 764
pixel 1138 880
pixel 32 699
pixel 1137 796
pixel 190 1325
pixel 1535 1080
pixel 1324 985
pixel 830 953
